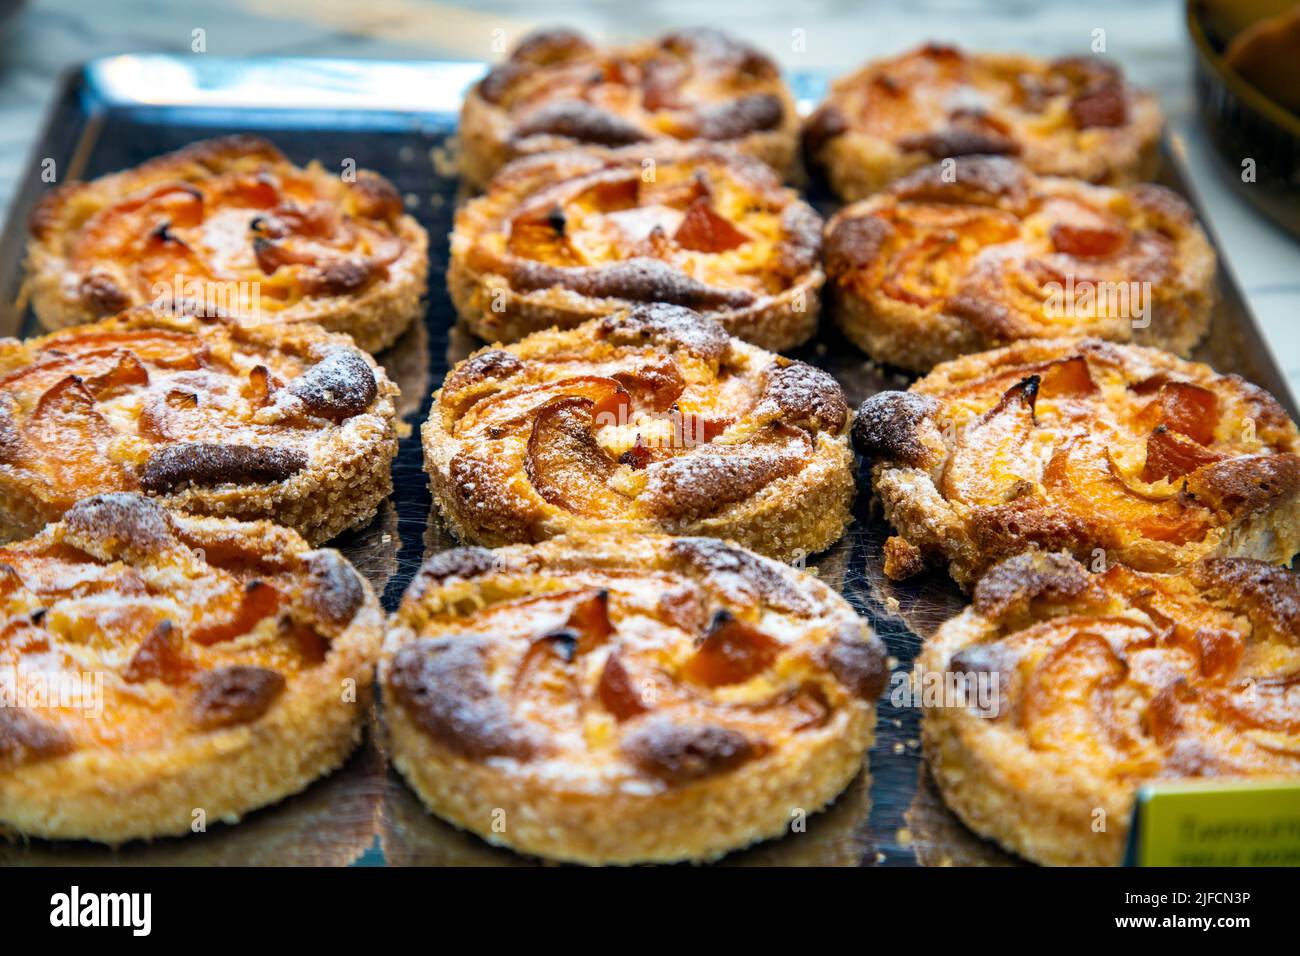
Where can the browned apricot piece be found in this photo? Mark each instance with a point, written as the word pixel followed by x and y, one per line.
pixel 616 692
pixel 125 372
pixel 1169 455
pixel 255 601
pixel 655 385
pixel 589 620
pixel 1065 378
pixel 68 437
pixel 1184 408
pixel 732 652
pixel 159 657
pixel 1092 237
pixel 703 230
pixel 565 463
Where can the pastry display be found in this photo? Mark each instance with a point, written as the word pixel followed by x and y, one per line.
pixel 650 419
pixel 622 699
pixel 953 260
pixel 230 226
pixel 166 673
pixel 564 237
pixel 289 423
pixel 1074 116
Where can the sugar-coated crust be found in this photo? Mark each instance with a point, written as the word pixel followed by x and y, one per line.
pixel 1073 117
pixel 309 245
pixel 209 415
pixel 1106 682
pixel 1103 450
pixel 626 699
pixel 955 259
pixel 560 238
pixel 652 419
pixel 688 85
pixel 192 720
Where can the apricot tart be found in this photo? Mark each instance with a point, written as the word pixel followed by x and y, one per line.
pixel 164 672
pixel 565 237
pixel 651 419
pixel 1099 684
pixel 558 90
pixel 290 423
pixel 946 262
pixel 1110 452
pixel 233 227
pixel 622 699
pixel 1073 117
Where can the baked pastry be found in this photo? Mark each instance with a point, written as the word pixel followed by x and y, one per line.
pixel 650 419
pixel 1093 685
pixel 1073 116
pixel 230 226
pixel 565 237
pixel 172 671
pixel 289 423
pixel 1110 452
pixel 946 262
pixel 626 698
pixel 558 90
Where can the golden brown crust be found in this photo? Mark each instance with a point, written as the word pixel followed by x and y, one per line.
pixel 953 260
pixel 289 423
pixel 648 420
pixel 168 671
pixel 557 90
pixel 1110 452
pixel 229 226
pixel 1072 117
pixel 560 238
pixel 621 699
pixel 1104 682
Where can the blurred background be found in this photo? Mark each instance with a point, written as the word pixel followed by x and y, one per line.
pixel 40 39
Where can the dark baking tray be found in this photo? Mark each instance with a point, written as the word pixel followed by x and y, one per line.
pixel 399 119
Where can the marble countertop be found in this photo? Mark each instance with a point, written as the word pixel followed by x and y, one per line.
pixel 46 37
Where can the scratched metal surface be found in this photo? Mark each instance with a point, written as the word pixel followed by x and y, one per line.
pixel 363 814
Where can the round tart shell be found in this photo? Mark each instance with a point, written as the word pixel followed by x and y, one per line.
pixel 490 130
pixel 113 795
pixel 341 290
pixel 1048 444
pixel 486 494
pixel 593 806
pixel 939 102
pixel 1055 800
pixel 1137 238
pixel 501 296
pixel 346 469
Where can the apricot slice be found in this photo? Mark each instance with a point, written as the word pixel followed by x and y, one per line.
pixel 1184 408
pixel 653 386
pixel 732 652
pixel 159 657
pixel 989 460
pixel 508 410
pixel 616 692
pixel 67 438
pixel 1169 455
pixel 243 609
pixel 565 463
pixel 704 230
pixel 1061 706
pixel 1080 477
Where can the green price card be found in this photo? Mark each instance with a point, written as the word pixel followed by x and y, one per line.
pixel 1216 823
